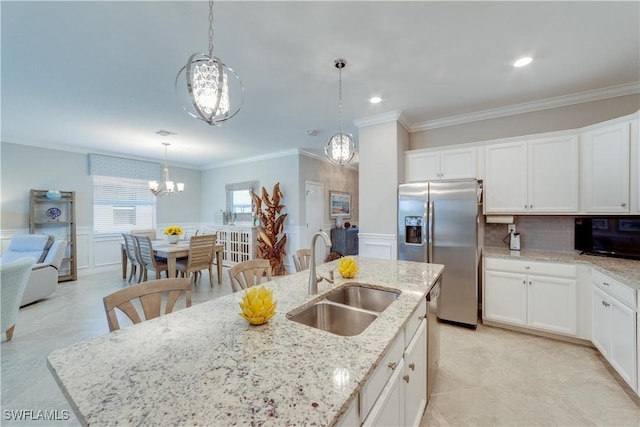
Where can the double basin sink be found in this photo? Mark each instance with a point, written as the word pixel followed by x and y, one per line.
pixel 347 311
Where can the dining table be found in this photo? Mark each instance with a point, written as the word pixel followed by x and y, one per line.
pixel 173 251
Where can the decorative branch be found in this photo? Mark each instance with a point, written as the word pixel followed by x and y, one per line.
pixel 271 244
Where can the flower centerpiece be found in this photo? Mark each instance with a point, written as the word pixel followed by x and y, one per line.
pixel 173 233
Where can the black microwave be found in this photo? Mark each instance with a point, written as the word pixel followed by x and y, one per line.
pixel 610 236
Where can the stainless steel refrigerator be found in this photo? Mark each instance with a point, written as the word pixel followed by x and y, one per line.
pixel 440 222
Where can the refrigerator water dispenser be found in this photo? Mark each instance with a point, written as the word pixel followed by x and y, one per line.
pixel 413 229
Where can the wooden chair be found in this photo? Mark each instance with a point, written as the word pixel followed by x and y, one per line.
pixel 201 250
pixel 149 232
pixel 150 262
pixel 301 259
pixel 150 296
pixel 249 273
pixel 133 254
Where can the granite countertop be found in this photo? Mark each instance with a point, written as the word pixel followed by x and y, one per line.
pixel 206 365
pixel 625 270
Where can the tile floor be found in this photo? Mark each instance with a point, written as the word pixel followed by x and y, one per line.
pixel 488 377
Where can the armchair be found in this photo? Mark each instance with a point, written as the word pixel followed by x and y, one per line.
pixel 47 255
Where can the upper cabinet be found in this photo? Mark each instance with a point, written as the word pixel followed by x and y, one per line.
pixel 535 176
pixel 605 166
pixel 430 165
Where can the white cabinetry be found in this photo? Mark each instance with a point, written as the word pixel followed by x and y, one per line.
pixel 396 393
pixel 535 295
pixel 605 163
pixel 536 176
pixel 429 165
pixel 614 325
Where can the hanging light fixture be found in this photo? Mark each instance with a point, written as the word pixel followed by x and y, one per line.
pixel 208 84
pixel 166 187
pixel 341 146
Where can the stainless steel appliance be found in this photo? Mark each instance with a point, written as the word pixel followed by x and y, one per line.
pixel 433 337
pixel 439 222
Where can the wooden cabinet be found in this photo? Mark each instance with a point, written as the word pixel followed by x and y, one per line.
pixel 344 241
pixel 57 218
pixel 614 325
pixel 531 294
pixel 605 165
pixel 535 176
pixel 429 165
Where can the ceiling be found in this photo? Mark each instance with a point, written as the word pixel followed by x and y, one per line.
pixel 99 76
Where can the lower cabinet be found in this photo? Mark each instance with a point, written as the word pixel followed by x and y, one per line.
pixel 536 295
pixel 396 392
pixel 614 326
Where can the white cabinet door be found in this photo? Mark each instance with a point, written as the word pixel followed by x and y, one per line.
pixel 623 344
pixel 415 377
pixel 600 322
pixel 458 163
pixel 605 179
pixel 423 166
pixel 505 297
pixel 552 304
pixel 553 175
pixel 506 178
pixel 389 408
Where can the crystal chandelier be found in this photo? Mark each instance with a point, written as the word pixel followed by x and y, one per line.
pixel 341 146
pixel 208 84
pixel 166 187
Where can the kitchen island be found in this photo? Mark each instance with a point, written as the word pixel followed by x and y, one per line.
pixel 206 366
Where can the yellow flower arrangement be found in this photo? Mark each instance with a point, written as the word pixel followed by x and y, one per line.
pixel 257 305
pixel 347 267
pixel 173 230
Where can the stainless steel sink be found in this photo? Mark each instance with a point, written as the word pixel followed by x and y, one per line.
pixel 347 311
pixel 334 318
pixel 355 295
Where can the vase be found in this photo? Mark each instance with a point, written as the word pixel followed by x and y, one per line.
pixel 173 238
pixel 54 195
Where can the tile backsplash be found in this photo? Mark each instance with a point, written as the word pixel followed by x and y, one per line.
pixel 548 233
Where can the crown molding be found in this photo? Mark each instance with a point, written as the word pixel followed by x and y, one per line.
pixel 274 155
pixel 351 165
pixel 528 107
pixel 392 116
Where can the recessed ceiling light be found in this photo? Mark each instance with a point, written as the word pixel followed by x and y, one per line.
pixel 375 100
pixel 522 62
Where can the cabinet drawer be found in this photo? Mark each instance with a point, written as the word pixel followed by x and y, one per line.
pixel 615 288
pixel 552 269
pixel 414 322
pixel 381 374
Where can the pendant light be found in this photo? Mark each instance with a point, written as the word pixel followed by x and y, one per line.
pixel 207 80
pixel 341 147
pixel 166 187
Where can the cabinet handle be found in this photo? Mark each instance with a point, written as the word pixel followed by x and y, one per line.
pixel 524 282
pixel 529 282
pixel 525 206
pixel 606 304
pixel 406 378
pixel 392 365
pixel 624 205
pixel 412 366
pixel 527 267
pixel 605 283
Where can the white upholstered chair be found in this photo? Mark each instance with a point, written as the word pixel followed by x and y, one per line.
pixel 13 277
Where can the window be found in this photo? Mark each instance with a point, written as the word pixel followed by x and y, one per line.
pixel 122 204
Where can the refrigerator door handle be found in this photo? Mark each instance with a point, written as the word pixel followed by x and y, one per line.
pixel 430 232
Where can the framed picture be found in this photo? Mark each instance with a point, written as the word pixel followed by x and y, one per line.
pixel 339 204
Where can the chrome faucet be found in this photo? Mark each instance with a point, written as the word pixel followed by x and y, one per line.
pixel 314 279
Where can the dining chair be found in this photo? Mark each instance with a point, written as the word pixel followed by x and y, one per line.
pixel 301 259
pixel 201 250
pixel 249 273
pixel 149 232
pixel 133 254
pixel 149 295
pixel 150 261
pixel 14 277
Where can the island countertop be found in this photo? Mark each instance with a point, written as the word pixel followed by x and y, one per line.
pixel 206 365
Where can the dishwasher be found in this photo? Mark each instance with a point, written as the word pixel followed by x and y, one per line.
pixel 433 336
